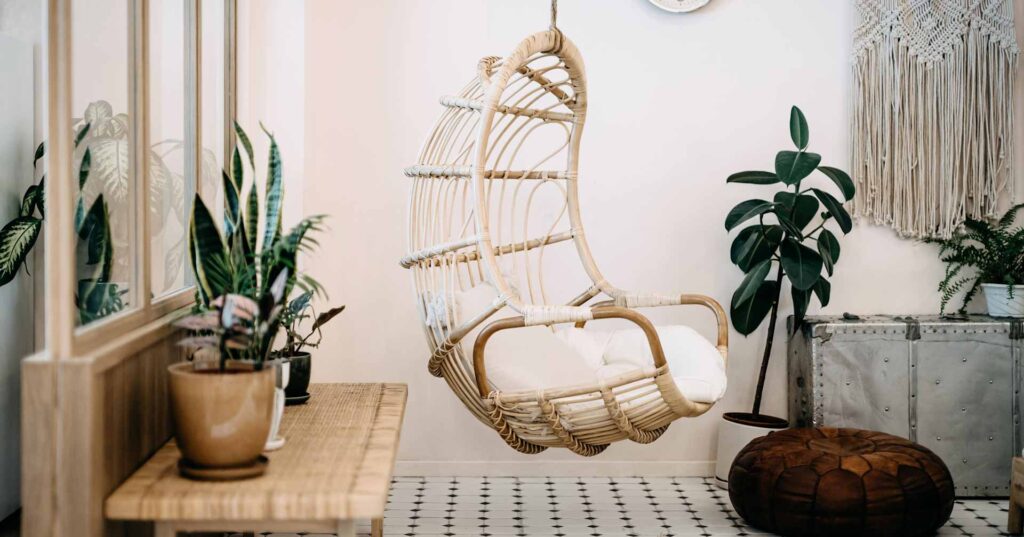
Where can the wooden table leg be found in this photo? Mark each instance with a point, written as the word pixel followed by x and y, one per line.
pixel 1013 523
pixel 377 527
pixel 164 529
pixel 346 528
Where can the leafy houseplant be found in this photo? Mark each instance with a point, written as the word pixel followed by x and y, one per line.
pixel 101 150
pixel 234 261
pixel 789 236
pixel 242 278
pixel 996 253
pixel 299 311
pixel 796 244
pixel 97 295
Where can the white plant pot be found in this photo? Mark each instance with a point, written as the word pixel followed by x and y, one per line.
pixel 274 439
pixel 1000 304
pixel 733 437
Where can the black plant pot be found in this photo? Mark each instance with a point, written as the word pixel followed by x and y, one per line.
pixel 297 390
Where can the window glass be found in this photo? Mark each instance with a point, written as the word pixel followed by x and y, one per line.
pixel 213 128
pixel 102 164
pixel 170 182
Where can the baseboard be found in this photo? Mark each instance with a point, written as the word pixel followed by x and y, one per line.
pixel 587 468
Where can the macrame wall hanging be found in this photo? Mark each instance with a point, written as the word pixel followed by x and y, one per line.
pixel 933 112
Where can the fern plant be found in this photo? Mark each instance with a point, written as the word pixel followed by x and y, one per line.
pixel 995 252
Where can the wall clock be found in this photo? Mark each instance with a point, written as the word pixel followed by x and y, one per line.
pixel 680 6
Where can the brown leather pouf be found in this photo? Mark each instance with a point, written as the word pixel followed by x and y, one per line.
pixel 839 483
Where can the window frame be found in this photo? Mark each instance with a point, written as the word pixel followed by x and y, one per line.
pixel 64 338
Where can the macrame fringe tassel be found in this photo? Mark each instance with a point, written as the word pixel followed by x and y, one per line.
pixel 933 140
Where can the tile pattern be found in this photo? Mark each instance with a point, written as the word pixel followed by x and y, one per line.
pixel 596 507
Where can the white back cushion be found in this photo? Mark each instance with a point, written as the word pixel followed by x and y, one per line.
pixel 529 358
pixel 696 365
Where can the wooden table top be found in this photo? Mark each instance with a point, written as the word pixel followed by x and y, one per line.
pixel 336 464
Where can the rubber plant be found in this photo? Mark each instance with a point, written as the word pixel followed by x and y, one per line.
pixel 788 236
pixel 237 259
pixel 96 296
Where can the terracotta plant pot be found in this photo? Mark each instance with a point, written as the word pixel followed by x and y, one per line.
pixel 300 366
pixel 736 430
pixel 221 419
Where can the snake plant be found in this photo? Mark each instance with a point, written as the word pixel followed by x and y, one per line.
pixel 237 258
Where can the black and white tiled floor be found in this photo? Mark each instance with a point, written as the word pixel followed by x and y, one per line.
pixel 596 507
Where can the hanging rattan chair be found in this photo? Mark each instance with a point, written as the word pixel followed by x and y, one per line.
pixel 478 179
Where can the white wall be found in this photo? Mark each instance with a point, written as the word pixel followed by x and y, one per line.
pixel 20 130
pixel 271 82
pixel 677 103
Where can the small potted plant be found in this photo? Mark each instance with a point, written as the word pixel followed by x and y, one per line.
pixel 301 310
pixel 995 252
pixel 790 236
pixel 223 400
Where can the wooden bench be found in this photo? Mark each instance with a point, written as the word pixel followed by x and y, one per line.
pixel 334 469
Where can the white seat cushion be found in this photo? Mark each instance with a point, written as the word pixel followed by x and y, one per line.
pixel 536 357
pixel 530 358
pixel 696 365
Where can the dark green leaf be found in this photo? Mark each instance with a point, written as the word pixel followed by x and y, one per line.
pixel 801 299
pixel 275 194
pixel 835 208
pixel 823 290
pixel 753 178
pixel 244 139
pixel 792 166
pixel 841 179
pixel 40 151
pixel 754 244
pixel 747 316
pixel 752 281
pixel 83 168
pixel 798 130
pixel 802 265
pixel 299 303
pixel 95 231
pixel 237 170
pixel 16 241
pixel 745 211
pixel 230 202
pixel 252 213
pixel 211 257
pixel 828 247
pixel 79 215
pixel 1010 216
pixel 31 200
pixel 800 209
pixel 41 199
pixel 789 226
pixel 81 133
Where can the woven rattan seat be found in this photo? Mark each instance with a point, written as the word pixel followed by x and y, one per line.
pixel 494 195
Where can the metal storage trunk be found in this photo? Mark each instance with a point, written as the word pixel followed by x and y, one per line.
pixel 950 384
